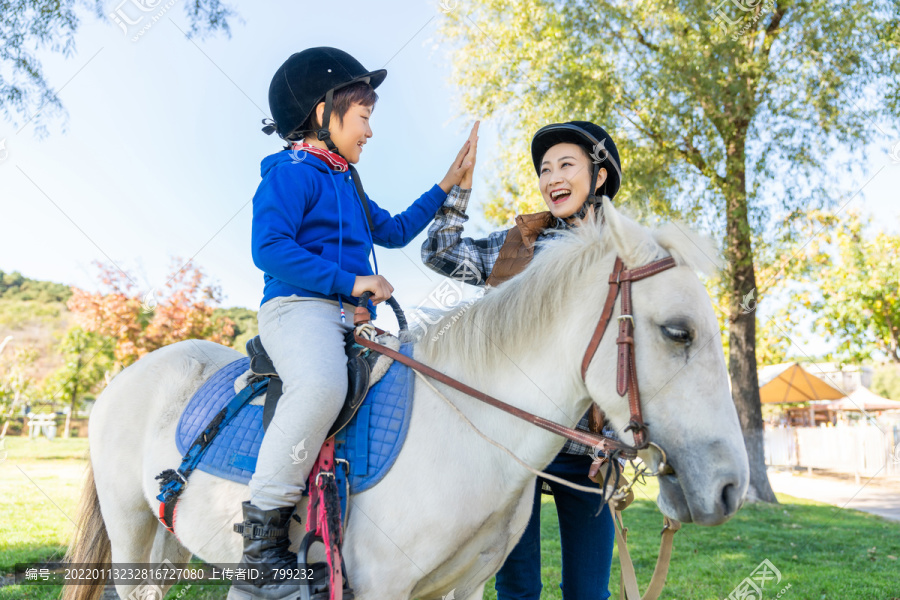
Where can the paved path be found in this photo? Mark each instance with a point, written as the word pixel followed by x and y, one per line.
pixel 876 498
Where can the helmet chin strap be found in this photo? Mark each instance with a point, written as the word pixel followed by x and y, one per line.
pixel 323 134
pixel 593 198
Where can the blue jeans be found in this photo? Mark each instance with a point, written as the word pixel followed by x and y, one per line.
pixel 586 539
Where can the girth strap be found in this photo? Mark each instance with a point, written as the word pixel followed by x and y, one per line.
pixel 172 481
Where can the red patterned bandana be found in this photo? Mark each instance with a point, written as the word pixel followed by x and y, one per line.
pixel 335 161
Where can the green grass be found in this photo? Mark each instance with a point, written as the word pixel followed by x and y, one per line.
pixel 39 497
pixel 823 552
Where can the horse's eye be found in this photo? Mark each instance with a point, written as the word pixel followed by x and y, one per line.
pixel 677 334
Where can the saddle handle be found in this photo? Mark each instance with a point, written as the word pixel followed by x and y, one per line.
pixel 361 315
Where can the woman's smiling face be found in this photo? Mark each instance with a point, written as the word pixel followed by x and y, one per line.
pixel 565 179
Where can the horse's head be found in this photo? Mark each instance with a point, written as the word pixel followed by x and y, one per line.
pixel 684 391
pixel 536 327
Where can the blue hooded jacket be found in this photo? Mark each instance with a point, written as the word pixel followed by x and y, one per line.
pixel 310 236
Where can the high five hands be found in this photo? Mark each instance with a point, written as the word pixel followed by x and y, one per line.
pixel 463 167
pixel 460 173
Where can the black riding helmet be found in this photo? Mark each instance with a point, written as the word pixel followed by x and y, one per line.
pixel 596 142
pixel 310 77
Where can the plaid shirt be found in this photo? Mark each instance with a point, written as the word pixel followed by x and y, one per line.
pixel 471 261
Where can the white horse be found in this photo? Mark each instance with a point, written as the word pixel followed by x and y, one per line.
pixel 453 506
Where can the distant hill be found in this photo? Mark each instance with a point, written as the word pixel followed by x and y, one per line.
pixel 34 312
pixel 14 286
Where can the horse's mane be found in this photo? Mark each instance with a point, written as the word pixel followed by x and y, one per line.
pixel 513 314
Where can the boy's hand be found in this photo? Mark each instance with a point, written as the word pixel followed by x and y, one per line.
pixel 378 285
pixel 463 161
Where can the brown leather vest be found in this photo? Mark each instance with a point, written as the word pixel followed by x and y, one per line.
pixel 518 249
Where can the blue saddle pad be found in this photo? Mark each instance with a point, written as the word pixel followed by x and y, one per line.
pixel 370 442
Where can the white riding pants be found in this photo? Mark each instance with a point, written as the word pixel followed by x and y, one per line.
pixel 305 339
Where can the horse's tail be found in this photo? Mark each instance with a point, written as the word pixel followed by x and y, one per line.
pixel 90 544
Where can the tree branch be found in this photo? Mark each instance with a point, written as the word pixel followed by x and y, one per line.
pixel 687 151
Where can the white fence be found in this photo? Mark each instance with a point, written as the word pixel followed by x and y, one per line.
pixel 865 450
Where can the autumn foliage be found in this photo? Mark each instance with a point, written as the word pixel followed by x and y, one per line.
pixel 140 322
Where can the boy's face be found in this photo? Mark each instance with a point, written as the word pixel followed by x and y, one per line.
pixel 566 179
pixel 350 135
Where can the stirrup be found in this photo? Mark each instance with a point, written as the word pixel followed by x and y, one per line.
pixel 318 578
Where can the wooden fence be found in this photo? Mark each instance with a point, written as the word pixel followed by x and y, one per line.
pixel 864 450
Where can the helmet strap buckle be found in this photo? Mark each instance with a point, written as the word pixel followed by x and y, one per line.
pixel 323 134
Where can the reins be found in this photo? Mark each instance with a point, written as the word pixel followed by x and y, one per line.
pixel 626 371
pixel 600 442
pixel 626 383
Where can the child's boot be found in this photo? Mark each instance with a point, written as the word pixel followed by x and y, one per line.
pixel 266 545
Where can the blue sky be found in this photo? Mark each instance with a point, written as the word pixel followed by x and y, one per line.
pixel 162 146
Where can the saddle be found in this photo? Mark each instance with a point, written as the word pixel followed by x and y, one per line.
pixel 360 366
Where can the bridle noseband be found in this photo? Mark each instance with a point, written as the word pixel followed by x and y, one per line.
pixel 626 371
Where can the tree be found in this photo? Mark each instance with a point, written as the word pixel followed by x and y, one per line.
pixel 16 382
pixel 140 323
pixel 88 356
pixel 886 381
pixel 245 324
pixel 724 114
pixel 28 25
pixel 857 277
pixel 775 332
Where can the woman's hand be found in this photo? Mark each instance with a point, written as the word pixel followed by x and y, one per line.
pixel 378 285
pixel 466 181
pixel 464 161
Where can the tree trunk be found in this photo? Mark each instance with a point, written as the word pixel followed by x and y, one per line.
pixel 70 416
pixel 742 324
pixel 10 413
pixel 74 397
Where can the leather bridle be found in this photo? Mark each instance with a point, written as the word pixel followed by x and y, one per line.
pixel 626 381
pixel 626 369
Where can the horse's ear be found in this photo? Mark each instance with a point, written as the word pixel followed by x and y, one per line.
pixel 633 244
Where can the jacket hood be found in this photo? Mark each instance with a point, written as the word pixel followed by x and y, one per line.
pixel 287 156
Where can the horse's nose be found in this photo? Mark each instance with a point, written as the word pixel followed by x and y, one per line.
pixel 731 499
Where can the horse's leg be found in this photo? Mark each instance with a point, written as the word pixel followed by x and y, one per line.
pixel 130 539
pixel 167 548
pixel 130 524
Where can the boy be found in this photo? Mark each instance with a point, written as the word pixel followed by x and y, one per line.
pixel 313 230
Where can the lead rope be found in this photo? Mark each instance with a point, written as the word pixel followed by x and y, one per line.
pixel 628 586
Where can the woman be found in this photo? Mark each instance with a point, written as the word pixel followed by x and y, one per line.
pixel 576 163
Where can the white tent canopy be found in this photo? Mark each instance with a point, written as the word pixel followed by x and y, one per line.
pixel 864 399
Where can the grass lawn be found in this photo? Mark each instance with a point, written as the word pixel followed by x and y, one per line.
pixel 822 552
